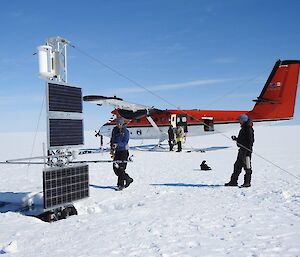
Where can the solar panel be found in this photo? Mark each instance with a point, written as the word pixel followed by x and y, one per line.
pixel 63 185
pixel 64 98
pixel 65 132
pixel 65 122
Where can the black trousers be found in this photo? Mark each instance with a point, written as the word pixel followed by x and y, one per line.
pixel 243 161
pixel 119 168
pixel 179 144
pixel 171 144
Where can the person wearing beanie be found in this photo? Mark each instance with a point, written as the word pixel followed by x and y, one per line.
pixel 245 142
pixel 119 152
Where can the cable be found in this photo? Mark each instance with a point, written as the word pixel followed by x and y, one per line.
pixel 123 76
pixel 22 60
pixel 233 90
pixel 36 130
pixel 171 104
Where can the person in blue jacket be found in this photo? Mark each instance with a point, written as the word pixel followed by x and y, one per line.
pixel 119 151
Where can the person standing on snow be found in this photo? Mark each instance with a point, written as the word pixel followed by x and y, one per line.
pixel 119 151
pixel 171 137
pixel 245 142
pixel 179 137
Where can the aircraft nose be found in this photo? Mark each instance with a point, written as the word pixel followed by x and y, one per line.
pixel 105 130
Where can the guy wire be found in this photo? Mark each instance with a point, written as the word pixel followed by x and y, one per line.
pixel 173 105
pixel 35 134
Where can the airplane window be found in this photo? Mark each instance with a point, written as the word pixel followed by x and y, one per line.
pixel 208 125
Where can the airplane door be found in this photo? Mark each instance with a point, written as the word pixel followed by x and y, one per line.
pixel 173 120
pixel 208 124
pixel 182 121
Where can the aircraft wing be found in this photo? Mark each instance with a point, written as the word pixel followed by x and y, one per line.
pixel 126 109
pixel 116 102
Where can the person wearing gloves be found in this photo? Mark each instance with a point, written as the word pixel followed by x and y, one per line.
pixel 245 142
pixel 119 151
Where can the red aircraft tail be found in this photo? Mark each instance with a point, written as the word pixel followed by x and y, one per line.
pixel 278 97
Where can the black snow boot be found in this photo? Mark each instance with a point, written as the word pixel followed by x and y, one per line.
pixel 128 182
pixel 247 179
pixel 231 184
pixel 119 188
pixel 233 180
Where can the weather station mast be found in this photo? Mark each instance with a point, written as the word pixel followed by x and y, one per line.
pixel 64 181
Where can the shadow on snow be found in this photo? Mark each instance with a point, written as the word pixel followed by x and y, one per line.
pixel 25 203
pixel 186 185
pixel 103 187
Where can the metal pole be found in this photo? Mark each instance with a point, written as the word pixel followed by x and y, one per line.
pixel 65 64
pixel 40 157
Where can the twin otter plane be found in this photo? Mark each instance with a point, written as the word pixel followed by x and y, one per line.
pixel 275 102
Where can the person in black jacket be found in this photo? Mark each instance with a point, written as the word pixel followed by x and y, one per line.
pixel 171 137
pixel 119 152
pixel 245 142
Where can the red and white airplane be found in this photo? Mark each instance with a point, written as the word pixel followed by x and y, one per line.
pixel 276 102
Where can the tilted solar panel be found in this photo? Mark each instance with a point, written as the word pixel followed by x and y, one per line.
pixel 64 98
pixel 63 185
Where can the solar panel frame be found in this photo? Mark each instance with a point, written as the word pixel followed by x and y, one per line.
pixel 64 185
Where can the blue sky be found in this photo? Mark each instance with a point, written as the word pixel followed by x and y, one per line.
pixel 210 54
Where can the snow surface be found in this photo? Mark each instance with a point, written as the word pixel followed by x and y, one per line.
pixel 171 209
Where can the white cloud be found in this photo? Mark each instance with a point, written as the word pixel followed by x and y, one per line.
pixel 164 87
